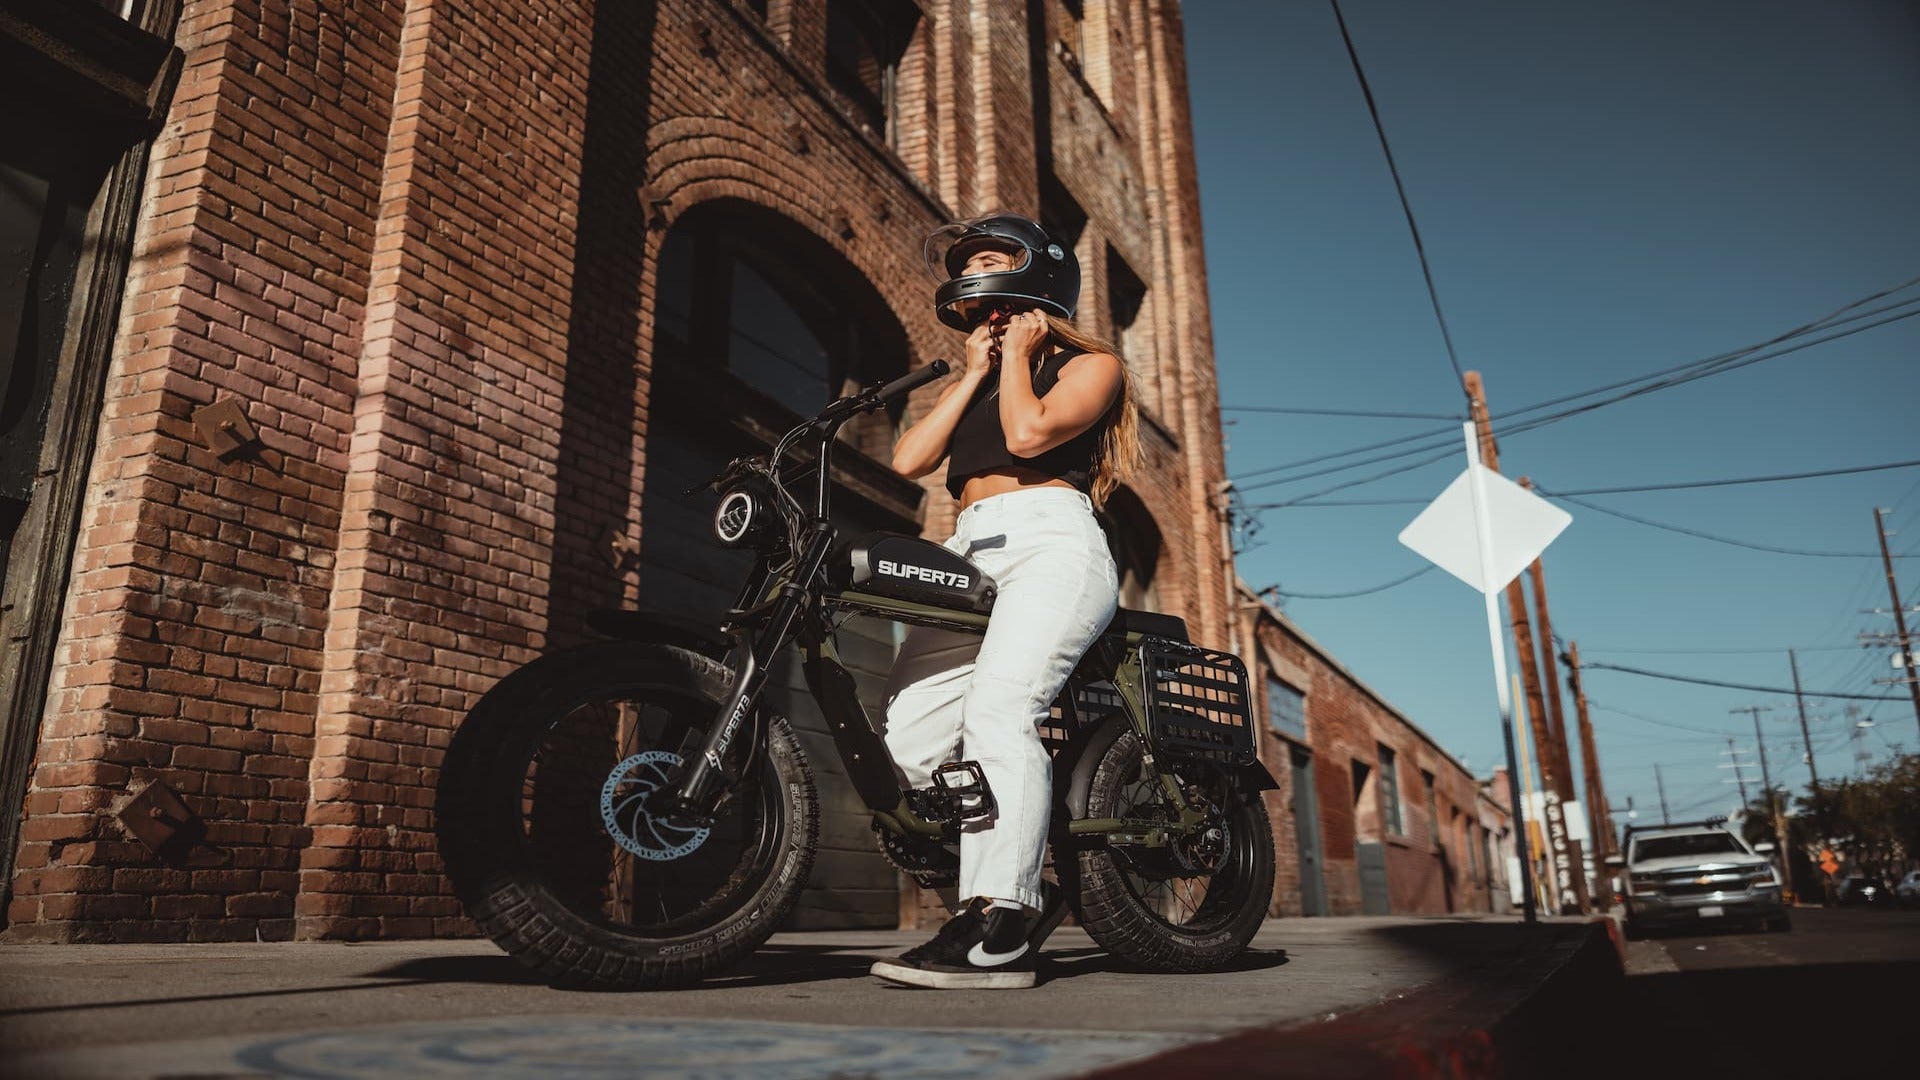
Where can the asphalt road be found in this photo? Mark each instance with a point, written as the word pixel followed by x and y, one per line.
pixel 1838 994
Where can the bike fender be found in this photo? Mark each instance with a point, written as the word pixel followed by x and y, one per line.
pixel 1077 761
pixel 1074 765
pixel 661 628
pixel 1256 777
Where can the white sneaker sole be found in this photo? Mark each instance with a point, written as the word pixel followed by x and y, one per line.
pixel 952 980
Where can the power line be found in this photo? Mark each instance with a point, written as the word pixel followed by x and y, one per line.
pixel 1622 514
pixel 1358 592
pixel 1719 652
pixel 1730 483
pixel 1572 496
pixel 1419 248
pixel 1339 412
pixel 1651 720
pixel 1738 686
pixel 1696 370
pixel 1318 458
pixel 1421 464
pixel 1824 322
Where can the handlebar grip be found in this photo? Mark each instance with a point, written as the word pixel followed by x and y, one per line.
pixel 912 380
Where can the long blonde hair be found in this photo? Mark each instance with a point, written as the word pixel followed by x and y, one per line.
pixel 1118 455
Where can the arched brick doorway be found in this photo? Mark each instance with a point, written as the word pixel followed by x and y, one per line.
pixel 757 323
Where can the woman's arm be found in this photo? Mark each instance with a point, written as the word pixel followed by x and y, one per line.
pixel 1086 390
pixel 922 447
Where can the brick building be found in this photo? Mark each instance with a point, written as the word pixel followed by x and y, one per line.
pixel 483 285
pixel 1373 817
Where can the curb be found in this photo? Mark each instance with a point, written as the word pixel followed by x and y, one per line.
pixel 1521 1016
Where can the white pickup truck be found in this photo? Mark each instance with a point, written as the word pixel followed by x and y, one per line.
pixel 1696 875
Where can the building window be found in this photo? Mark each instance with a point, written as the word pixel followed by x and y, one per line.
pixel 1134 541
pixel 1286 710
pixel 1128 305
pixel 866 41
pixel 743 295
pixel 1433 809
pixel 1087 41
pixel 1390 793
pixel 1366 802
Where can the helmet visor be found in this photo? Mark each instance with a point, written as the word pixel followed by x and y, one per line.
pixel 949 247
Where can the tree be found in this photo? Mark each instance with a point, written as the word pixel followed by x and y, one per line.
pixel 1873 822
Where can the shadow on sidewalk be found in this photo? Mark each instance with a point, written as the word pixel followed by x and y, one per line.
pixel 773 964
pixel 1478 951
pixel 1067 963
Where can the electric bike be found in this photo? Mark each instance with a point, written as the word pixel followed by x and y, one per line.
pixel 626 813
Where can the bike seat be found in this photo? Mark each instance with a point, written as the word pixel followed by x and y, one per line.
pixel 1131 621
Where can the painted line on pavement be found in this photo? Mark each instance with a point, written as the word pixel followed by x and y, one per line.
pixel 588 1048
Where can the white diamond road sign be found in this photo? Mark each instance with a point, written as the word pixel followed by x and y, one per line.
pixel 1522 525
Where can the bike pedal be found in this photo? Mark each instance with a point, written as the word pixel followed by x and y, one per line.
pixel 966 791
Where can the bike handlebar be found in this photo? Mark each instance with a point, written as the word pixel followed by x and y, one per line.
pixel 911 381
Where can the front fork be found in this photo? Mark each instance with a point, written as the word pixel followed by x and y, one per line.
pixel 694 797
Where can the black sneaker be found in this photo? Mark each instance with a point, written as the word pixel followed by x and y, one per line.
pixel 982 948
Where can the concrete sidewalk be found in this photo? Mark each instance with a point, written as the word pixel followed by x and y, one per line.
pixel 801 1007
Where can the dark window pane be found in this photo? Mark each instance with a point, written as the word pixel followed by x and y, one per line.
pixel 1286 710
pixel 1390 792
pixel 769 346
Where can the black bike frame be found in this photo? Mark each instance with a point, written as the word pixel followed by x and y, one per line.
pixel 800 606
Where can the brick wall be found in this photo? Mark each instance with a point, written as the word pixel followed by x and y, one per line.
pixel 416 241
pixel 1429 869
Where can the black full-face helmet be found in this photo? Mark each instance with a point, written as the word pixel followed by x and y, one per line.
pixel 1046 274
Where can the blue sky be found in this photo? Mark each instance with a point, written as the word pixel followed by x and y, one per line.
pixel 1603 191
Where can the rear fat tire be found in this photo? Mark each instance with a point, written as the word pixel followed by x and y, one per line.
pixel 1122 924
pixel 486 851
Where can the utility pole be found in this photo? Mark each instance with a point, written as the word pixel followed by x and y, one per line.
pixel 1529 842
pixel 1773 802
pixel 1800 700
pixel 1911 678
pixel 1557 720
pixel 1665 818
pixel 1569 880
pixel 1733 755
pixel 1599 817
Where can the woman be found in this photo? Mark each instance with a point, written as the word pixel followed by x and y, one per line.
pixel 1036 432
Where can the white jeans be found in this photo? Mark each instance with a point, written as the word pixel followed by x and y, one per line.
pixel 990 694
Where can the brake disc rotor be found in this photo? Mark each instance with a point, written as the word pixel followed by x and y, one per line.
pixel 623 809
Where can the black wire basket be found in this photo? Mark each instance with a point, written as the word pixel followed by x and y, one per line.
pixel 1197 702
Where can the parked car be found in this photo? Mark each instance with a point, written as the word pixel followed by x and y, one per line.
pixel 1906 892
pixel 1698 874
pixel 1865 890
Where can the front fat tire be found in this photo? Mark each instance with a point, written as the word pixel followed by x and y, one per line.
pixel 485 848
pixel 1122 924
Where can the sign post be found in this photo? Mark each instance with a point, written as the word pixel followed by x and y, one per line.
pixel 1485 530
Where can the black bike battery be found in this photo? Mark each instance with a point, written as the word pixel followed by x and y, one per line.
pixel 918 571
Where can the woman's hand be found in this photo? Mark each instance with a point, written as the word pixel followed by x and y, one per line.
pixel 983 350
pixel 1024 335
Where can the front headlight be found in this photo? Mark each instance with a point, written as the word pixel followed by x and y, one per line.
pixel 739 517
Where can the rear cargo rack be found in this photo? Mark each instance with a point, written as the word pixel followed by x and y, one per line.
pixel 1197 703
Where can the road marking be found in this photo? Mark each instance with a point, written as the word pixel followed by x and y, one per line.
pixel 590 1048
pixel 1649 958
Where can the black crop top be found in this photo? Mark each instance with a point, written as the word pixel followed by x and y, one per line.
pixel 979 444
